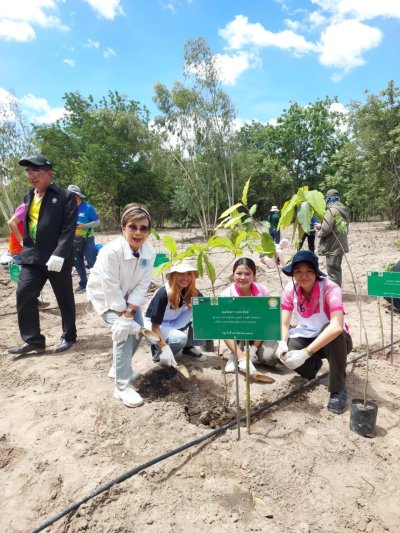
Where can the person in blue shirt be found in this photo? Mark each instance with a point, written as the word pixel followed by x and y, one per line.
pixel 310 236
pixel 84 245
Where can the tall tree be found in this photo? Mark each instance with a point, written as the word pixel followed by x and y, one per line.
pixel 196 125
pixel 376 131
pixel 103 147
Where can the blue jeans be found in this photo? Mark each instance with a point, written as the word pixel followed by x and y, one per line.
pixel 276 235
pixel 178 339
pixel 123 352
pixel 90 252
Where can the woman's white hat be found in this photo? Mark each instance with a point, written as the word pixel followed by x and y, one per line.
pixel 183 266
pixel 274 208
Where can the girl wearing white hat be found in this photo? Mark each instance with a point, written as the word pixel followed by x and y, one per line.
pixel 169 315
pixel 273 219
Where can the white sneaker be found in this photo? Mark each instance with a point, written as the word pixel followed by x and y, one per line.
pixel 230 365
pixel 111 372
pixel 129 397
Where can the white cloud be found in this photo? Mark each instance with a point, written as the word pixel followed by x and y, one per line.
pixel 91 44
pixel 240 33
pixel 69 62
pixel 361 9
pixel 293 25
pixel 16 31
pixel 343 45
pixel 107 9
pixel 37 110
pixel 231 67
pixel 19 17
pixel 109 52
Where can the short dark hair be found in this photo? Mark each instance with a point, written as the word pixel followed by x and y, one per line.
pixel 246 261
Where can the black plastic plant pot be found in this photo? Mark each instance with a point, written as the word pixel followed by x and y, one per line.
pixel 363 417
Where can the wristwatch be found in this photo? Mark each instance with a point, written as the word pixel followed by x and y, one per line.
pixel 130 310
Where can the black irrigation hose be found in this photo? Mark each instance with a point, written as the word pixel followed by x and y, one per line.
pixel 160 458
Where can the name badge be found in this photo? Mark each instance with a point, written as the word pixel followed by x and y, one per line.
pixel 144 263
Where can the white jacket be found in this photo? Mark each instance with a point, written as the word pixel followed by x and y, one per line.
pixel 119 278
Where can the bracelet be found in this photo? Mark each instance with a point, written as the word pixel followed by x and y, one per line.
pixel 309 352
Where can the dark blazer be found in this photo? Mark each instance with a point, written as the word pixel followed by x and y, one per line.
pixel 56 227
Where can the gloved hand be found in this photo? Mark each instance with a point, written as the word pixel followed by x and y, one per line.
pixel 121 328
pixel 253 354
pixel 135 329
pixel 166 356
pixel 294 358
pixel 282 348
pixel 242 367
pixel 55 263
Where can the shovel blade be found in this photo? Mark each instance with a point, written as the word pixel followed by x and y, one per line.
pixel 258 376
pixel 149 334
pixel 183 371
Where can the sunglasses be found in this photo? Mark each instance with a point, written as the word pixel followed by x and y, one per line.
pixel 142 229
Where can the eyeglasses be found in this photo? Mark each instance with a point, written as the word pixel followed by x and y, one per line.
pixel 35 171
pixel 142 229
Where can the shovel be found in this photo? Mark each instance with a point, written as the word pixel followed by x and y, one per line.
pixel 150 335
pixel 259 376
pixel 182 369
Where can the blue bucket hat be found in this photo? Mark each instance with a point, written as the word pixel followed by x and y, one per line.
pixel 300 257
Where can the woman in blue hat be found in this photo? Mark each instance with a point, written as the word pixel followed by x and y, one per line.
pixel 321 333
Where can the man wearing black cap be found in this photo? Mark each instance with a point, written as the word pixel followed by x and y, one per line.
pixel 333 235
pixel 47 254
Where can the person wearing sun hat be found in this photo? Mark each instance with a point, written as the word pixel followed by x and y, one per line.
pixel 315 303
pixel 169 315
pixel 84 235
pixel 273 219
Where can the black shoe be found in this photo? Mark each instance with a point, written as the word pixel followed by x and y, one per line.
pixel 26 348
pixel 191 350
pixel 155 353
pixel 80 289
pixel 337 402
pixel 64 346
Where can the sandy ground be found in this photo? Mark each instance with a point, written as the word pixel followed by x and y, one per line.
pixel 300 469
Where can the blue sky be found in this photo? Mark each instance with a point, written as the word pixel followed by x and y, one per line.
pixel 270 52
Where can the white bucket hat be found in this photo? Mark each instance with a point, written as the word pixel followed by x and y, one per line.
pixel 184 266
pixel 274 208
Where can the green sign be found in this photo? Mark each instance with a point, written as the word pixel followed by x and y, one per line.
pixel 160 259
pixel 384 284
pixel 243 318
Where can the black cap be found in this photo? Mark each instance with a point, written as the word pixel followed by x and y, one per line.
pixel 36 161
pixel 300 257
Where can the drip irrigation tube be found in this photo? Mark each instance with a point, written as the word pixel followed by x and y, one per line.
pixel 74 506
pixel 44 309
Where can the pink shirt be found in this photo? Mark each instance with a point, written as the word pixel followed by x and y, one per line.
pixel 332 298
pixel 257 289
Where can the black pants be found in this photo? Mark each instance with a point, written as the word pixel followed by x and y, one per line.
pixel 310 241
pixel 336 353
pixel 31 281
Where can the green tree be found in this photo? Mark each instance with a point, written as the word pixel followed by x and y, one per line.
pixel 376 132
pixel 196 126
pixel 104 148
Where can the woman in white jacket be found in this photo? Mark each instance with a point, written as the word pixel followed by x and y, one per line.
pixel 116 288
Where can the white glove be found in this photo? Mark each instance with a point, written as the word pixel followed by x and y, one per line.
pixel 282 349
pixel 253 354
pixel 242 367
pixel 121 329
pixel 135 329
pixel 294 358
pixel 166 356
pixel 55 263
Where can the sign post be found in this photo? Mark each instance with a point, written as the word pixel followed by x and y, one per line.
pixel 238 318
pixel 386 284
